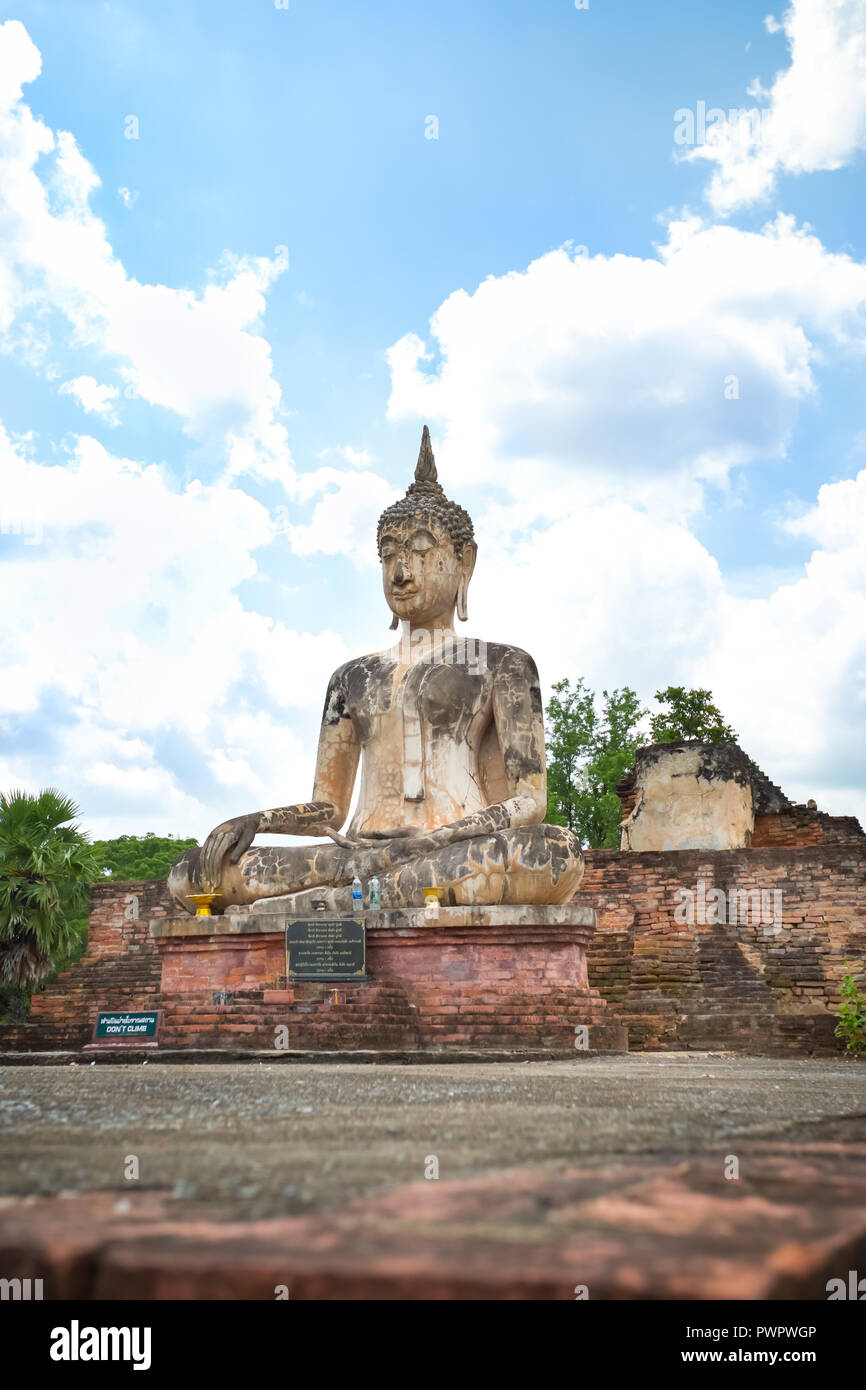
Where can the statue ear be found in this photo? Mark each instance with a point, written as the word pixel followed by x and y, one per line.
pixel 467 565
pixel 395 623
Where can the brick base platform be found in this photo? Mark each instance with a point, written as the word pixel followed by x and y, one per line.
pixel 499 978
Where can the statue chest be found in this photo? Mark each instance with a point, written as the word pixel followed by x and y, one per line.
pixel 421 719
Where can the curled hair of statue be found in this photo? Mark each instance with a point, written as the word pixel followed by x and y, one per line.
pixel 425 497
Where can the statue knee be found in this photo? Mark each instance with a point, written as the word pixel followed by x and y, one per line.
pixel 183 875
pixel 547 866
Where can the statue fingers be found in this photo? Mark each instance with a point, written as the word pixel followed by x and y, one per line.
pixel 212 859
pixel 341 840
pixel 245 837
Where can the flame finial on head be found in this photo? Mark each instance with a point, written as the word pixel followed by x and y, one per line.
pixel 425 468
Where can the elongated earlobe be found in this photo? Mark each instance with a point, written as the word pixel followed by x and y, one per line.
pixel 395 623
pixel 462 611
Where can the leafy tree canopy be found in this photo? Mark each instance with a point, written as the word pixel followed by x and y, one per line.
pixel 588 751
pixel 689 714
pixel 139 856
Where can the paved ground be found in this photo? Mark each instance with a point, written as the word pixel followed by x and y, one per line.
pixel 261 1141
pixel 609 1174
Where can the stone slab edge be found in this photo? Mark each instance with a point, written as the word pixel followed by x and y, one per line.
pixel 243 924
pixel 188 1056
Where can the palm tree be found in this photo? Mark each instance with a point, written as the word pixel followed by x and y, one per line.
pixel 46 866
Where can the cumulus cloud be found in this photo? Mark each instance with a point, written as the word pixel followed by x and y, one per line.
pixel 93 396
pixel 358 458
pixel 670 369
pixel 794 663
pixel 198 354
pixel 813 115
pixel 344 519
pixel 134 626
pixel 133 672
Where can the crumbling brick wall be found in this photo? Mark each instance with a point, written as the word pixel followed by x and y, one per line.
pixel 748 984
pixel 797 826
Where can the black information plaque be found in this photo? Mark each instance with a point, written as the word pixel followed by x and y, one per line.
pixel 326 948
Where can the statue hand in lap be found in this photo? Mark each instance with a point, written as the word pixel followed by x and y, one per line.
pixel 453 787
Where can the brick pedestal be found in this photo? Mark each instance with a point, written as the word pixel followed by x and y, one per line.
pixel 484 977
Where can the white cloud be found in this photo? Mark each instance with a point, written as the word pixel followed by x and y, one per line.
pixel 794 664
pixel 197 354
pixel 127 196
pixel 623 368
pixel 815 110
pixel 173 701
pixel 124 609
pixel 358 458
pixel 344 519
pixel 22 61
pixel 92 396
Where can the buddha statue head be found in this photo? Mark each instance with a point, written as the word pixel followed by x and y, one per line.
pixel 427 548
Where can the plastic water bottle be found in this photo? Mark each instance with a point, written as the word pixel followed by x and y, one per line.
pixel 375 893
pixel 357 895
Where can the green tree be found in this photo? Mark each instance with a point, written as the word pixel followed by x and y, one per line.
pixel 690 714
pixel 46 867
pixel 588 752
pixel 139 856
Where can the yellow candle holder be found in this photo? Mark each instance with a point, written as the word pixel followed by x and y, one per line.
pixel 202 903
pixel 431 904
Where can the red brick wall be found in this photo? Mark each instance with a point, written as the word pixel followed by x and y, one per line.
pixel 201 964
pixel 743 984
pixel 120 970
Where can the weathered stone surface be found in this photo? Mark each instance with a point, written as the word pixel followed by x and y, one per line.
pixel 260 918
pixel 692 795
pixel 656 1229
pixel 450 737
pixel 689 796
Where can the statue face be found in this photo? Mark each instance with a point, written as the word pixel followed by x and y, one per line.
pixel 421 570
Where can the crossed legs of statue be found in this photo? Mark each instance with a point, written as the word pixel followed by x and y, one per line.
pixel 536 864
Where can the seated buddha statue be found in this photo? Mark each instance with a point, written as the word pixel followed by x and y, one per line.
pixel 449 734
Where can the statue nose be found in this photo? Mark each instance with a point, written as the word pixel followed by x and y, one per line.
pixel 400 573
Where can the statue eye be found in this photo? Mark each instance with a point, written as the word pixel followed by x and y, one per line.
pixel 422 540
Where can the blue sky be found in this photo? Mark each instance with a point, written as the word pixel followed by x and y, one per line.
pixel 637 524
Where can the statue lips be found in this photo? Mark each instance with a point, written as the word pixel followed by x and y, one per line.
pixel 399 594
